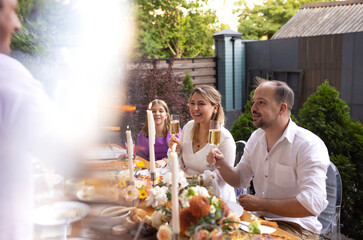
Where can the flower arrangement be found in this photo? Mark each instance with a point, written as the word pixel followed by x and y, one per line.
pixel 198 208
pixel 141 188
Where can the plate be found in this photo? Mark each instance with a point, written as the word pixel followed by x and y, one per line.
pixel 161 171
pixel 264 229
pixel 59 213
pixel 92 198
pixel 235 207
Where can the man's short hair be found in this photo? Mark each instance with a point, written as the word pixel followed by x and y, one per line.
pixel 283 92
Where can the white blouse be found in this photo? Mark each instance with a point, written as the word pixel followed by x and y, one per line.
pixel 196 163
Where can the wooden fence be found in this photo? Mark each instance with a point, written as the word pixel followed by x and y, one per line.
pixel 321 58
pixel 202 70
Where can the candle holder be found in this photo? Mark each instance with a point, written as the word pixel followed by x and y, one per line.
pixel 176 236
pixel 153 178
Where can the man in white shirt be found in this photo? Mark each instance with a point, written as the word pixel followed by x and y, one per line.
pixel 287 163
pixel 29 127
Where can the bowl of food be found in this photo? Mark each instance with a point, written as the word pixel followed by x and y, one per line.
pixel 115 215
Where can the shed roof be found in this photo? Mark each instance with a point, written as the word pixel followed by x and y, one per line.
pixel 326 18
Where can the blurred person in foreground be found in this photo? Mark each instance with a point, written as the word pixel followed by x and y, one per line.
pixel 288 165
pixel 29 129
pixel 205 104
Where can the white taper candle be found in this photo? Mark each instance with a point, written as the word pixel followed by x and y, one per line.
pixel 130 151
pixel 175 193
pixel 151 133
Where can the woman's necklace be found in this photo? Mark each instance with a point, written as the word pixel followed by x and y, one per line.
pixel 201 143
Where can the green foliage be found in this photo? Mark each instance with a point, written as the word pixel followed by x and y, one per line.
pixel 175 28
pixel 268 18
pixel 325 114
pixel 243 127
pixel 187 90
pixel 188 86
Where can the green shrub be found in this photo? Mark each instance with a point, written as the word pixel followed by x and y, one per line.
pixel 243 127
pixel 325 114
pixel 188 86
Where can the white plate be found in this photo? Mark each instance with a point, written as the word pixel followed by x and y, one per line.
pixel 60 213
pixel 264 229
pixel 161 171
pixel 235 207
pixel 94 198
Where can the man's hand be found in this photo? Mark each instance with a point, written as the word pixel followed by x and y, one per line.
pixel 215 157
pixel 250 202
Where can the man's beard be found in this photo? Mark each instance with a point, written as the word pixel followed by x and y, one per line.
pixel 262 123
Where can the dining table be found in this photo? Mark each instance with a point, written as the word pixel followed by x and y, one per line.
pixel 85 227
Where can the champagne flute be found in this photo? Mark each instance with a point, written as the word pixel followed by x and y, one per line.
pixel 214 136
pixel 174 124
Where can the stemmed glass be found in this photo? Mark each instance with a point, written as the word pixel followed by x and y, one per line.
pixel 174 124
pixel 214 136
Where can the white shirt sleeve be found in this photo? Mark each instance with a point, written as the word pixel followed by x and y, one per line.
pixel 311 177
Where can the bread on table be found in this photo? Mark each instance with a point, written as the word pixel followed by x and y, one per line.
pixel 119 230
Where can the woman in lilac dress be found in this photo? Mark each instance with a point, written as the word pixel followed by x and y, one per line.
pixel 162 123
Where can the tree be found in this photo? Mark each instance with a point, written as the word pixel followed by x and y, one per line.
pixel 175 28
pixel 268 18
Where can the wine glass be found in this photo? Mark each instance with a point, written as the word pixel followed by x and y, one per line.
pixel 214 136
pixel 174 124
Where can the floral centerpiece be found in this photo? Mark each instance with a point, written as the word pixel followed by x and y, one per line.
pixel 197 207
pixel 130 194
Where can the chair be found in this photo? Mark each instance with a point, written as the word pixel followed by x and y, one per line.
pixel 330 217
pixel 240 146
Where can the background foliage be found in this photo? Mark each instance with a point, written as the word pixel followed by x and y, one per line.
pixel 243 127
pixel 267 18
pixel 176 28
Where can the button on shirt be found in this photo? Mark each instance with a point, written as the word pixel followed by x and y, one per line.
pixel 296 166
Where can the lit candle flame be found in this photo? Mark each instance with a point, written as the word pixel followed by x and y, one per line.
pixel 173 148
pixel 150 105
pixel 127 128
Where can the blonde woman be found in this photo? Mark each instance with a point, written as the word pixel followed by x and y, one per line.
pixel 205 104
pixel 161 116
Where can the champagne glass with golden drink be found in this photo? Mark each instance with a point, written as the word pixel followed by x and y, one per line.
pixel 174 124
pixel 214 136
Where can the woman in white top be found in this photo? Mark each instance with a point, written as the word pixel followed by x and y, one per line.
pixel 193 148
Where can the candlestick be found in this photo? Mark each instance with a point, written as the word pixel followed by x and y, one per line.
pixel 130 149
pixel 175 192
pixel 151 133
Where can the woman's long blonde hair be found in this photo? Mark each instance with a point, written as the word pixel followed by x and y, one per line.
pixel 215 98
pixel 145 129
